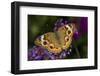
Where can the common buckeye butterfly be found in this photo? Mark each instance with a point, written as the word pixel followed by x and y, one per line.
pixel 58 40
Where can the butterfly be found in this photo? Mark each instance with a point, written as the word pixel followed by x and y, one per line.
pixel 56 41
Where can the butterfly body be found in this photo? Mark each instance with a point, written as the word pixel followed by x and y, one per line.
pixel 56 41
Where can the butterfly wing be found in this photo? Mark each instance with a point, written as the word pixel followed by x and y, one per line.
pixel 50 42
pixel 65 34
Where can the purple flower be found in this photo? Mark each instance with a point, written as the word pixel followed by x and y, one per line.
pixel 76 35
pixel 38 58
pixel 40 53
pixel 62 55
pixel 59 23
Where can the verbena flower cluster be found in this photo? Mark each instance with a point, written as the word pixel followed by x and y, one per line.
pixel 40 53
